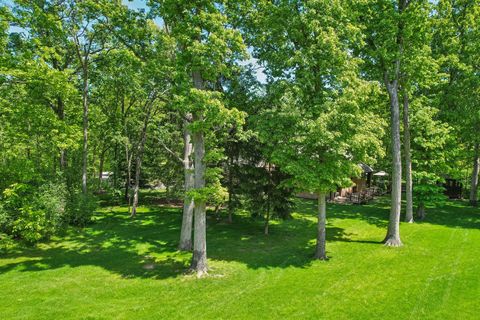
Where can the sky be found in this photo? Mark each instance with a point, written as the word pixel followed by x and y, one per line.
pixel 140 4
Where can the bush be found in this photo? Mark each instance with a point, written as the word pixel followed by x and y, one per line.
pixel 6 243
pixel 30 214
pixel 80 209
pixel 35 213
pixel 428 195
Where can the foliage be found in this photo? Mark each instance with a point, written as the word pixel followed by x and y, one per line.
pixel 80 208
pixel 32 214
pixel 429 194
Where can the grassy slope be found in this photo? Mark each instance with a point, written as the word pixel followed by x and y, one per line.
pixel 105 271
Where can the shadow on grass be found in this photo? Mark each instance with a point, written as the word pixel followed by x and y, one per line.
pixel 453 214
pixel 145 247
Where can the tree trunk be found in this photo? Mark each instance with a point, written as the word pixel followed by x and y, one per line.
pixel 321 251
pixel 100 168
pixel 393 233
pixel 63 160
pixel 421 211
pixel 267 217
pixel 474 181
pixel 85 129
pixel 188 205
pixel 138 164
pixel 408 160
pixel 128 159
pixel 199 258
pixel 139 158
pixel 230 191
pixel 61 116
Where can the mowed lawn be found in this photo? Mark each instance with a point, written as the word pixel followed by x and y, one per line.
pixel 119 268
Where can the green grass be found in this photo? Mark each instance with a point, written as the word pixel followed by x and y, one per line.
pixel 120 268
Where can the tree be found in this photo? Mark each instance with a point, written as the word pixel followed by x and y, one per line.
pixel 455 45
pixel 432 140
pixel 88 39
pixel 393 34
pixel 318 128
pixel 207 46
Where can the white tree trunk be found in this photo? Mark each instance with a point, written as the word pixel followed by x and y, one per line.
pixel 188 205
pixel 408 160
pixel 136 187
pixel 393 233
pixel 321 251
pixel 85 130
pixel 474 179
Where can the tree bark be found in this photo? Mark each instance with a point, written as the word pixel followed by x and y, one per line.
pixel 199 258
pixel 267 217
pixel 321 251
pixel 421 211
pixel 408 160
pixel 128 159
pixel 100 168
pixel 474 179
pixel 230 191
pixel 139 158
pixel 85 129
pixel 188 204
pixel 393 233
pixel 60 111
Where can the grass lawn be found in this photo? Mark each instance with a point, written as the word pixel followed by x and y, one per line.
pixel 120 268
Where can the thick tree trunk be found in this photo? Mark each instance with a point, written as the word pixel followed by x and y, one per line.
pixel 188 205
pixel 199 258
pixel 421 211
pixel 393 233
pixel 321 251
pixel 474 181
pixel 85 130
pixel 408 160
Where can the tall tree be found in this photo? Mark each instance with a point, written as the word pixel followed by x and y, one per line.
pixel 207 47
pixel 314 129
pixel 88 38
pixel 456 43
pixel 392 49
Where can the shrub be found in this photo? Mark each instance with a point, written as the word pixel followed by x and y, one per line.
pixel 80 208
pixel 6 243
pixel 32 214
pixel 427 194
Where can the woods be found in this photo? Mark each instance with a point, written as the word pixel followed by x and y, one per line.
pixel 233 107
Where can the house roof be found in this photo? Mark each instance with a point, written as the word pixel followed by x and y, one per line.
pixel 365 168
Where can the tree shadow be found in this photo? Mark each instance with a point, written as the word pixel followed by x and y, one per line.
pixel 453 213
pixel 145 247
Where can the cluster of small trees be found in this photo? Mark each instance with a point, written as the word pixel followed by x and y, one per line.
pixel 171 93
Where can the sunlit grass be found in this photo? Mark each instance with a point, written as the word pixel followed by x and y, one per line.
pixel 119 268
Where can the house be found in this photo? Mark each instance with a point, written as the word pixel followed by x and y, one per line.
pixel 360 184
pixel 361 190
pixel 453 188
